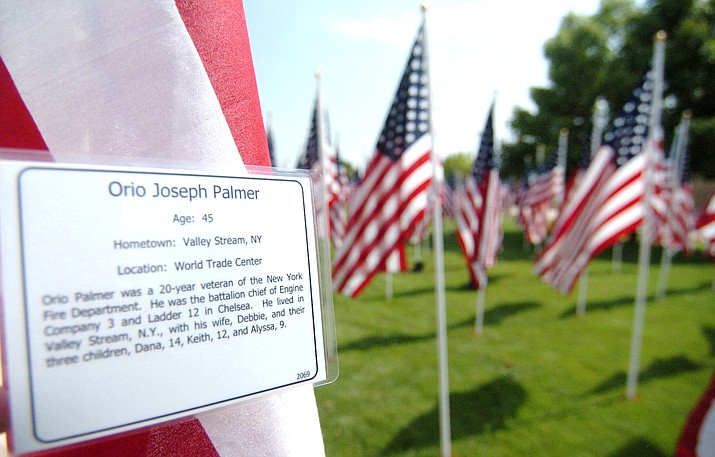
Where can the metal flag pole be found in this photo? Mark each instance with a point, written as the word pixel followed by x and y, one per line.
pixel 599 121
pixel 680 143
pixel 481 302
pixel 646 235
pixel 445 431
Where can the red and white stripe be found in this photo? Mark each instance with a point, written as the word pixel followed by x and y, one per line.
pixel 389 202
pixel 543 192
pixel 697 439
pixel 338 208
pixel 606 205
pixel 706 226
pixel 479 224
pixel 149 82
pixel 534 221
pixel 680 219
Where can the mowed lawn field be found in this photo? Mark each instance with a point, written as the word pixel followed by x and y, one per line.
pixel 539 381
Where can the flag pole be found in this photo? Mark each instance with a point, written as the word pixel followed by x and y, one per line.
pixel 599 121
pixel 676 173
pixel 617 259
pixel 445 435
pixel 563 149
pixel 646 235
pixel 481 300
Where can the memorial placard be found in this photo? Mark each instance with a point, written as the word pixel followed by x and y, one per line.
pixel 135 296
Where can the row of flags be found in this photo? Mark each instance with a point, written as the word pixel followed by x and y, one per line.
pixel 623 183
pixel 603 201
pixel 607 203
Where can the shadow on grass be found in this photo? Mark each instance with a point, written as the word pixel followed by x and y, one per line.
pixel 660 368
pixel 497 314
pixel 631 250
pixel 596 306
pixel 630 300
pixel 481 410
pixel 512 246
pixel 639 447
pixel 492 316
pixel 383 341
pixel 467 286
pixel 709 333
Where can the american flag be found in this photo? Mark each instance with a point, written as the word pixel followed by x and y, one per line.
pixel 448 200
pixel 607 203
pixel 545 188
pixel 679 221
pixel 477 210
pixel 194 101
pixel 338 210
pixel 706 226
pixel 392 197
pixel 319 156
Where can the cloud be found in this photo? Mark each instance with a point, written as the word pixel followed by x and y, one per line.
pixel 397 31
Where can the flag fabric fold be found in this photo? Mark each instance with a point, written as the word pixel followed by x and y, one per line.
pixel 339 204
pixel 320 157
pixel 697 438
pixel 544 191
pixel 146 83
pixel 608 202
pixel 674 232
pixel 477 210
pixel 392 197
pixel 706 226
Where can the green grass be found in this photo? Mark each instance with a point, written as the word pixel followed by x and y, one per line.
pixel 539 381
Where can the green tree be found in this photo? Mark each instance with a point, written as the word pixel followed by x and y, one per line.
pixel 605 55
pixel 457 166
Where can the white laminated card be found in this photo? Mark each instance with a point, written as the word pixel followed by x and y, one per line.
pixel 135 296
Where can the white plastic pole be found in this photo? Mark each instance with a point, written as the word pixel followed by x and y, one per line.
pixel 582 290
pixel 617 259
pixel 445 429
pixel 481 301
pixel 666 260
pixel 647 233
pixel 388 286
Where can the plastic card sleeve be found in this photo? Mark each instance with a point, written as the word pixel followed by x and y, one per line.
pixel 134 296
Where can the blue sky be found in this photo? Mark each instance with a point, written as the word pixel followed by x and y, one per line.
pixel 478 49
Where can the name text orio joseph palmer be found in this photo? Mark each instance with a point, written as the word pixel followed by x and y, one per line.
pixel 118 189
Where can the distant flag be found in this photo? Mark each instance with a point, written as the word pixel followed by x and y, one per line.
pixel 392 197
pixel 680 210
pixel 544 191
pixel 678 220
pixel 477 210
pixel 706 226
pixel 607 203
pixel 448 200
pixel 318 155
pixel 338 210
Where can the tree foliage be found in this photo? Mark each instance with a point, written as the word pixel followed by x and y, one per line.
pixel 604 55
pixel 456 167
